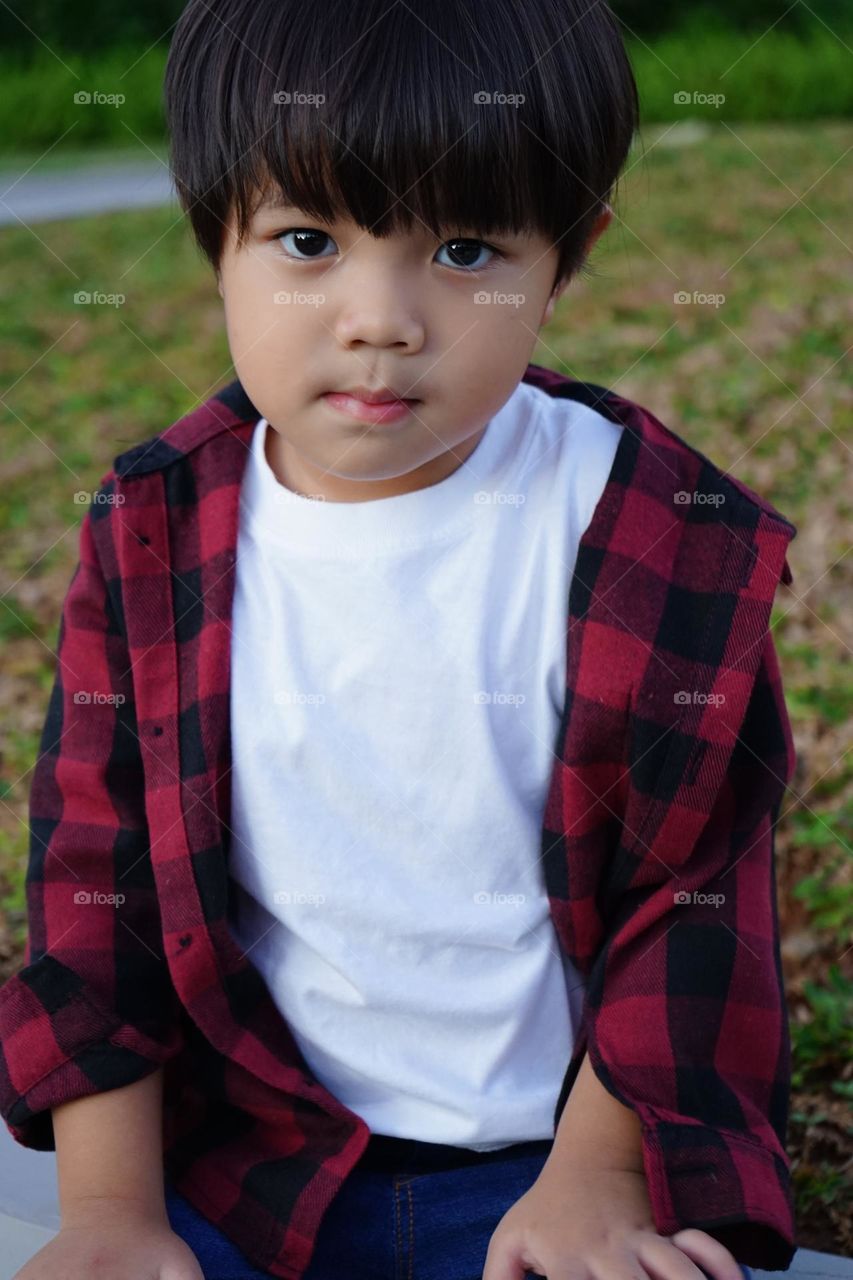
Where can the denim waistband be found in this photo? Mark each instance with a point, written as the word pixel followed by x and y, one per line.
pixel 387 1154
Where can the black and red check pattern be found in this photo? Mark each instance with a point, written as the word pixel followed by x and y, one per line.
pixel 672 758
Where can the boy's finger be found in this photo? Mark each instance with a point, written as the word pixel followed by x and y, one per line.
pixel 508 1261
pixel 713 1257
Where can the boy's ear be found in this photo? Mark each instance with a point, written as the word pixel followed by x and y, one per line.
pixel 552 301
pixel 600 225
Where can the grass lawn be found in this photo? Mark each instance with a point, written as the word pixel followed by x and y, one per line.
pixel 757 213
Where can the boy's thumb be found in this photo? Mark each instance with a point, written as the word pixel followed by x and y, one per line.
pixel 508 1260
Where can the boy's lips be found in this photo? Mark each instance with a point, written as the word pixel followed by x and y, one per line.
pixel 371 405
pixel 379 395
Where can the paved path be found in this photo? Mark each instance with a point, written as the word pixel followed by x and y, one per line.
pixel 109 182
pixel 97 188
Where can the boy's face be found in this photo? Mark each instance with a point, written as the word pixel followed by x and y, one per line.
pixel 333 308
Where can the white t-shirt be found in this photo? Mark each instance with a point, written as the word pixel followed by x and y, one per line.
pixel 398 680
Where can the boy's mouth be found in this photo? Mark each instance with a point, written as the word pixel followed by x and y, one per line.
pixel 365 405
pixel 379 395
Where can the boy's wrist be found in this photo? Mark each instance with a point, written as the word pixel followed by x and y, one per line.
pixel 96 1211
pixel 98 1183
pixel 595 1156
pixel 595 1130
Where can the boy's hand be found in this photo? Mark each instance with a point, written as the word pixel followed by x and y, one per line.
pixel 126 1245
pixel 580 1223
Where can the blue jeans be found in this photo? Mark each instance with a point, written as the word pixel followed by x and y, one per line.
pixel 385 1223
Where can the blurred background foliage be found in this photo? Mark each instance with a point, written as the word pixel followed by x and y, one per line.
pixel 88 26
pixel 798 68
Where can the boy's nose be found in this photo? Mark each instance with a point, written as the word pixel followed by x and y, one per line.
pixel 380 317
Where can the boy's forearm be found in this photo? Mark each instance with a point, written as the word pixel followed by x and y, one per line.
pixel 595 1129
pixel 109 1151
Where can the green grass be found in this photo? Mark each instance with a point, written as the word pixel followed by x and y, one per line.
pixel 828 1037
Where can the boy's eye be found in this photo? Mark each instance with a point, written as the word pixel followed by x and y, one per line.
pixel 307 243
pixel 464 253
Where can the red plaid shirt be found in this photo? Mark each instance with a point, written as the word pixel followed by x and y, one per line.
pixel 673 755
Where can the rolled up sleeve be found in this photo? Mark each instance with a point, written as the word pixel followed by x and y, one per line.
pixel 686 1016
pixel 93 1007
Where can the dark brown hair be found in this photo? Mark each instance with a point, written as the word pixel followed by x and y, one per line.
pixel 376 112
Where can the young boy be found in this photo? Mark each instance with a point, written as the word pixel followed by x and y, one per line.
pixel 401 883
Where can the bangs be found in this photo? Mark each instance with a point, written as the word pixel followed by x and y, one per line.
pixel 490 118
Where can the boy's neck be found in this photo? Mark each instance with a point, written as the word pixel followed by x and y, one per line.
pixel 296 473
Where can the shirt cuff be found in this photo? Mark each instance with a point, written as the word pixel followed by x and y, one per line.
pixel 697 1177
pixel 59 1042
